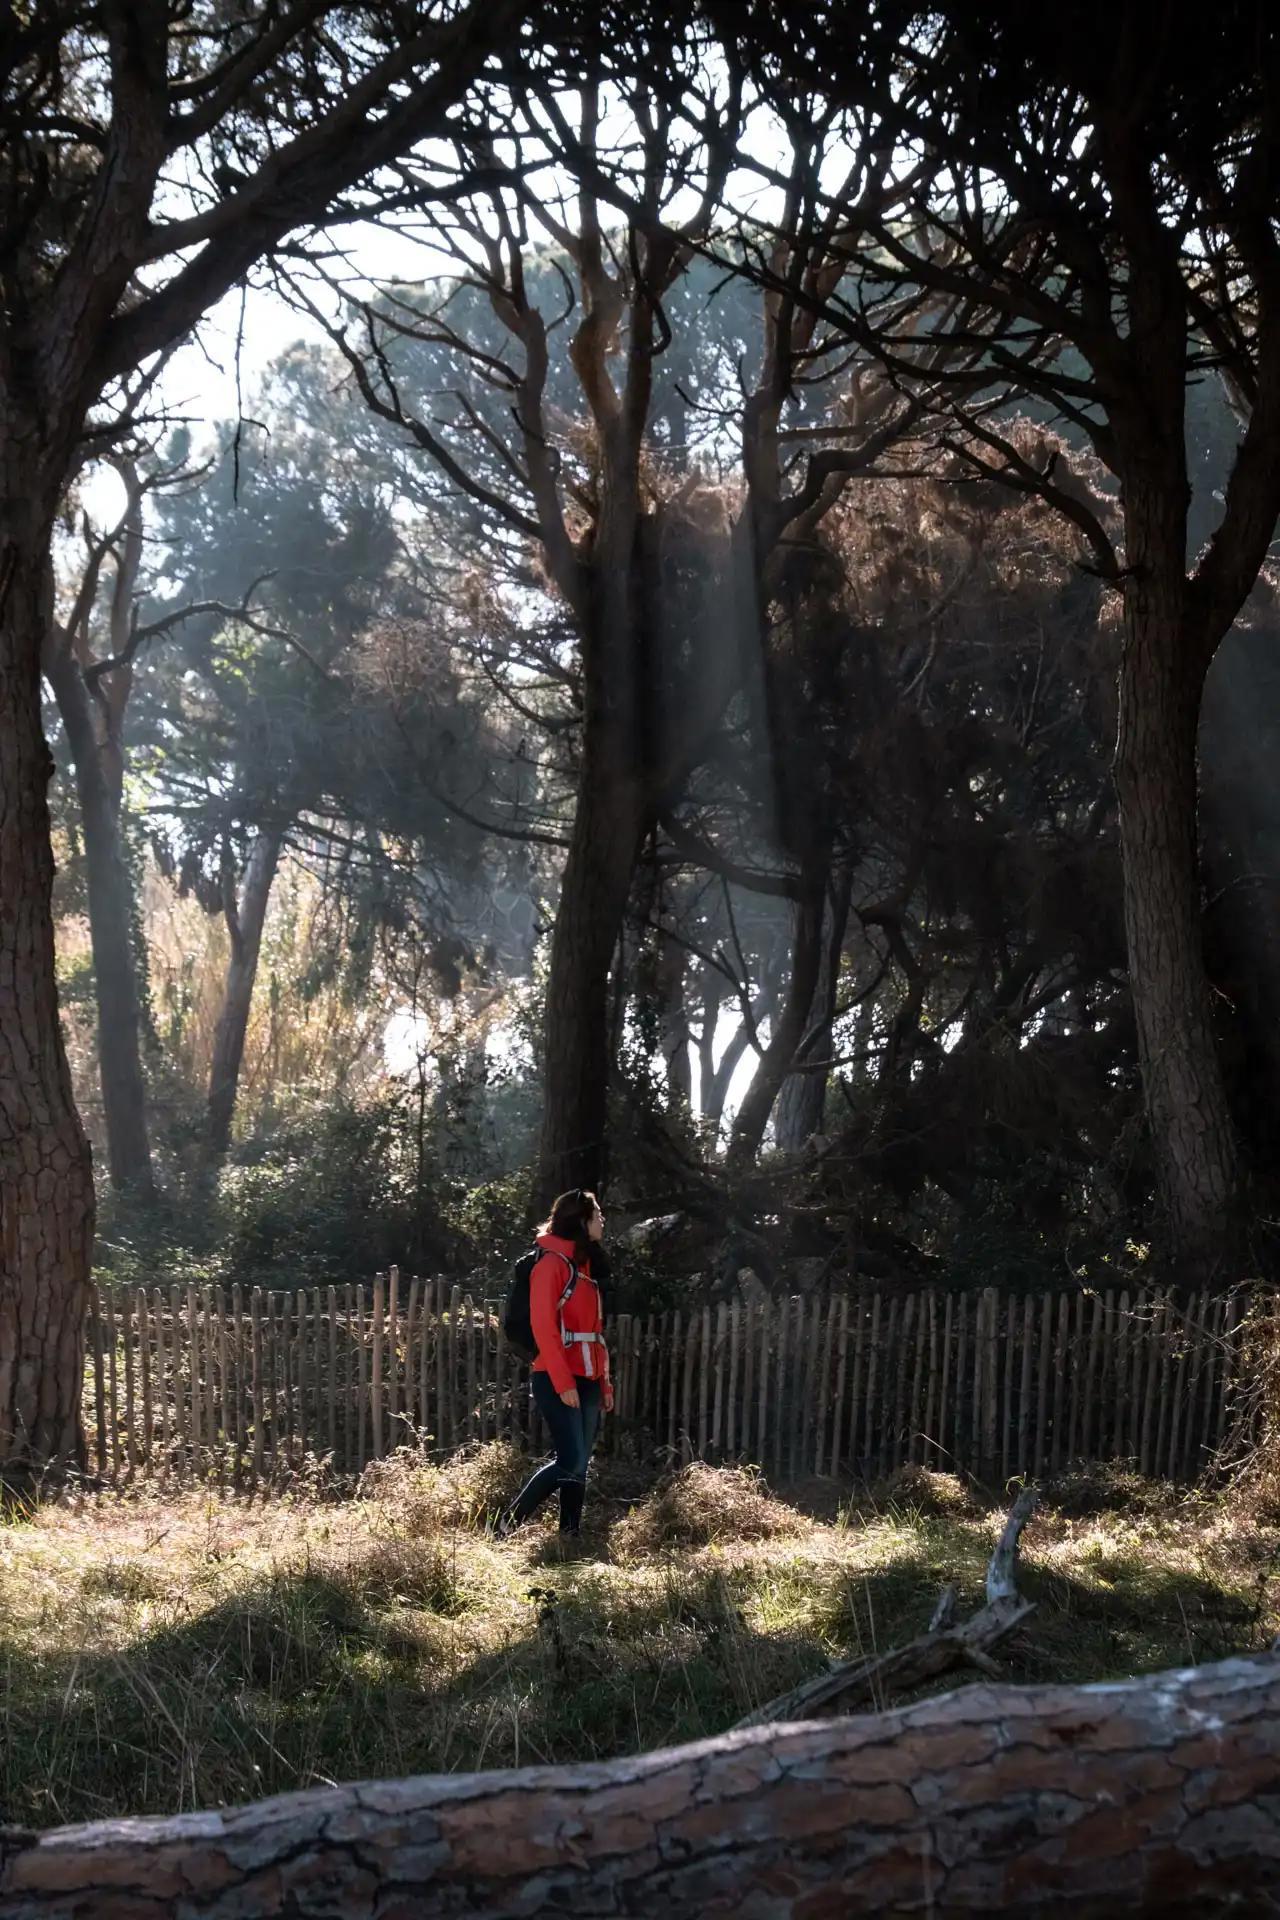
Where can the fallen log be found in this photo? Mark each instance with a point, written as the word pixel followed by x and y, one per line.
pixel 1153 1796
pixel 948 1643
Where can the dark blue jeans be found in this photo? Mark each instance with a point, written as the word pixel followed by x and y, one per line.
pixel 573 1435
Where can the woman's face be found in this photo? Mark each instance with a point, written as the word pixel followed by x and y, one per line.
pixel 595 1226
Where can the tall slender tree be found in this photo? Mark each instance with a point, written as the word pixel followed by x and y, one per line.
pixel 152 153
pixel 91 675
pixel 1094 191
pixel 597 450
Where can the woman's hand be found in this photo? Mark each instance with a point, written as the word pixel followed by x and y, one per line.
pixel 570 1397
pixel 606 1396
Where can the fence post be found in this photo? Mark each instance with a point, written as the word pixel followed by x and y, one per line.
pixel 488 1366
pixel 1179 1381
pixel 255 1381
pixel 114 1381
pixel 469 1410
pixel 302 1371
pixel 237 1395
pixel 891 1374
pixel 1046 1365
pixel 410 1367
pixel 930 1444
pixel 1231 1320
pixel 870 1381
pixel 270 1397
pixel 748 1378
pixel 944 1452
pixel 1091 1365
pixel 806 1382
pixel 143 1320
pixel 1075 1371
pixel 1199 1355
pixel 915 1414
pixel 959 1448
pixel 375 1384
pixel 1164 1386
pixel 1141 1355
pixel 1213 1370
pixel 451 1403
pixel 438 1333
pixel 424 1328
pixel 224 1384
pixel 842 1378
pixel 901 1354
pixel 209 1407
pixel 99 1386
pixel 128 1347
pixel 393 1354
pixel 362 1381
pixel 181 1423
pixel 1006 1339
pixel 781 1410
pixel 763 1309
pixel 719 1359
pixel 731 1392
pixel 159 1372
pixel 349 1434
pixel 991 1398
pixel 686 1403
pixel 1152 1357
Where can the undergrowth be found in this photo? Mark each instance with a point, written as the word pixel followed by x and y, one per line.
pixel 167 1649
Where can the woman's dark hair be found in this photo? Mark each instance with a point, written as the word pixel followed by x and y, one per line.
pixel 570 1217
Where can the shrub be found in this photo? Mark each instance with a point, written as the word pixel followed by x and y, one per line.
pixel 466 1490
pixel 700 1505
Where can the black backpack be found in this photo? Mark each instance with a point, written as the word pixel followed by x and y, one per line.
pixel 517 1321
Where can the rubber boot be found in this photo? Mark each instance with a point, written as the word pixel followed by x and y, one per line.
pixel 572 1496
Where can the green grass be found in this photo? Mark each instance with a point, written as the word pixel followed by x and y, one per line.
pixel 164 1651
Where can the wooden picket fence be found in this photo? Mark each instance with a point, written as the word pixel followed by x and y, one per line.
pixel 249 1390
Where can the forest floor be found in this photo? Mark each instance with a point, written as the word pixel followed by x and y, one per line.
pixel 168 1650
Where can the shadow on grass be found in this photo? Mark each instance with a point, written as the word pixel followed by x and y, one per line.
pixel 437 1653
pixel 316 1675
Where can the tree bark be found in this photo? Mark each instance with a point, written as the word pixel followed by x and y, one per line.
pixel 803 1096
pixel 1240 827
pixel 608 829
pixel 788 1029
pixel 46 1176
pixel 675 1036
pixel 1161 681
pixel 124 1095
pixel 245 920
pixel 77 317
pixel 1151 1796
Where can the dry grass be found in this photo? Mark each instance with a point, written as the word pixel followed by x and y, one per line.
pixel 169 1650
pixel 702 1506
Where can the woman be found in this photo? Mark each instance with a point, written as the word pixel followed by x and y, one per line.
pixel 571 1382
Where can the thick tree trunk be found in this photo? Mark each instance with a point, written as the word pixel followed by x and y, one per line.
pixel 607 832
pixel 1151 1796
pixel 46 1176
pixel 1240 829
pixel 245 920
pixel 803 1096
pixel 1161 681
pixel 124 1097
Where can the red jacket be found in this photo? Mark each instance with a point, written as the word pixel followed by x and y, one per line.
pixel 582 1314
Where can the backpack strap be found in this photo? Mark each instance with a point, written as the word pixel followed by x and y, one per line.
pixel 566 1339
pixel 572 1281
